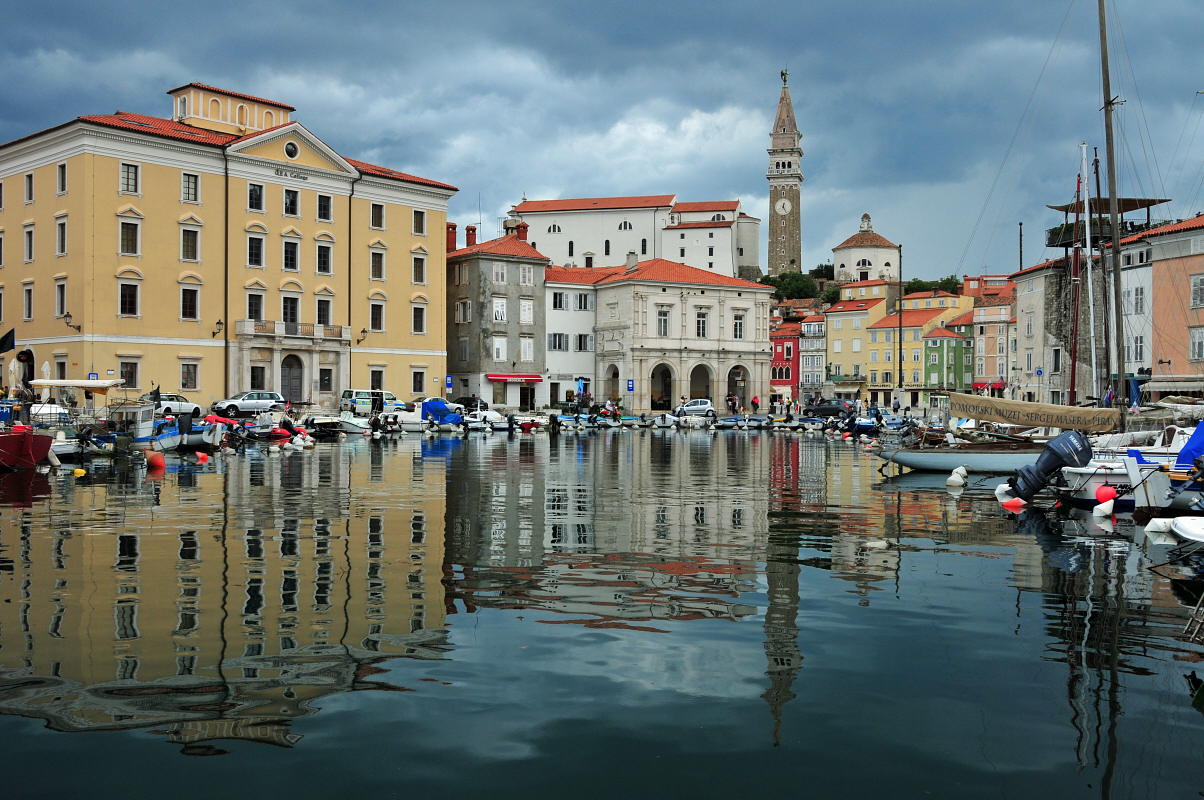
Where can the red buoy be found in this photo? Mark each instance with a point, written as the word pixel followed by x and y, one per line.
pixel 1014 505
pixel 1105 493
pixel 155 460
pixel 202 458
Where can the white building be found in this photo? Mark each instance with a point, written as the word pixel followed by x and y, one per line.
pixel 570 302
pixel 812 354
pixel 1137 290
pixel 866 256
pixel 599 231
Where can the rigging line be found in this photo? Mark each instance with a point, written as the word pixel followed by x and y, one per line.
pixel 1187 120
pixel 1019 125
pixel 1156 179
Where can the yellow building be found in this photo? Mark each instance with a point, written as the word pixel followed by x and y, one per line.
pixel 895 344
pixel 861 305
pixel 222 249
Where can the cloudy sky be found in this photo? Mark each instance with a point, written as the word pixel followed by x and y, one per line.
pixel 949 121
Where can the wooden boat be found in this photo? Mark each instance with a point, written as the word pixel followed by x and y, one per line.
pixel 994 459
pixel 21 448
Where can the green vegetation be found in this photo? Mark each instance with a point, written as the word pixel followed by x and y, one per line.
pixel 950 283
pixel 791 285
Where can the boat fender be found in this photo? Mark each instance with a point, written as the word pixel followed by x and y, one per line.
pixel 1014 505
pixel 1159 525
pixel 79 472
pixel 955 479
pixel 1003 492
pixel 155 459
pixel 53 459
pixel 1103 509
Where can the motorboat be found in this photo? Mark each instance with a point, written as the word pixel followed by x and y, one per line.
pixel 636 422
pixel 21 448
pixel 324 429
pixel 993 458
pixel 666 420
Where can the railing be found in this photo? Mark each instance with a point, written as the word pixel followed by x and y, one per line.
pixel 268 327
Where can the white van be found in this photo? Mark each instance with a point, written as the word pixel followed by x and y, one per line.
pixel 361 401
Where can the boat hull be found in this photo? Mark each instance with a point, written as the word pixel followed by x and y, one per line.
pixel 23 449
pixel 938 460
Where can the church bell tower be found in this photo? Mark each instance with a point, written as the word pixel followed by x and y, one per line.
pixel 785 175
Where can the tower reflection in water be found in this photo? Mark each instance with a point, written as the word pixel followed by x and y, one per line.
pixel 220 606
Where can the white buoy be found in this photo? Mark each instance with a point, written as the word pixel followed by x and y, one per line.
pixel 1003 492
pixel 955 479
pixel 53 459
pixel 1103 509
pixel 274 449
pixel 1159 525
pixel 961 470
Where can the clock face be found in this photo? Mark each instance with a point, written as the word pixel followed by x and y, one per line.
pixel 782 206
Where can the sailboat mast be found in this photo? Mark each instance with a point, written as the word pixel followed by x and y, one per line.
pixel 1086 200
pixel 1117 308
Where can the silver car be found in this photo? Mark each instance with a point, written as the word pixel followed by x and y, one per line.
pixel 698 407
pixel 249 403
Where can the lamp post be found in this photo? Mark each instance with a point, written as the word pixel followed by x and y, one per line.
pixel 67 320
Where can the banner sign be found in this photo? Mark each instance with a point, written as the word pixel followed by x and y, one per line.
pixel 1017 412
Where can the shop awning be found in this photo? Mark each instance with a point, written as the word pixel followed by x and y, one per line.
pixel 514 378
pixel 1169 386
pixel 990 385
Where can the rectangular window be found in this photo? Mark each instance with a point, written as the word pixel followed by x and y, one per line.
pixel 1197 343
pixel 189 244
pixel 418 381
pixel 700 323
pixel 292 255
pixel 1 248
pixel 420 223
pixel 1139 348
pixel 418 314
pixel 188 376
pixel 558 301
pixel 290 309
pixel 128 371
pixel 873 376
pixel 419 269
pixel 325 379
pixel 738 329
pixel 190 301
pixel 190 187
pixel 499 309
pixel 60 298
pixel 376 317
pixel 526 348
pixel 61 174
pixel 128 300
pixel 29 243
pixel 255 306
pixel 499 348
pixel 255 196
pixel 584 343
pixel 258 377
pixel 323 259
pixel 558 342
pixel 526 275
pixel 27 303
pixel 377 219
pixel 526 311
pixel 662 322
pixel 873 337
pixel 254 251
pixel 1056 366
pixel 463 349
pixel 292 203
pixel 857 346
pixel 130 234
pixel 129 179
pixel 681 252
pixel 323 316
pixel 499 272
pixel 60 237
pixel 463 311
pixel 376 380
pixel 324 206
pixel 584 302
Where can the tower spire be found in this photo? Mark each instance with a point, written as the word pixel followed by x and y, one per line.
pixel 785 175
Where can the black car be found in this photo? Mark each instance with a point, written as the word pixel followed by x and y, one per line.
pixel 834 408
pixel 472 403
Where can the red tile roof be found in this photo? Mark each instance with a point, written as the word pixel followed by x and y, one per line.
pixel 988 300
pixel 912 318
pixel 594 203
pixel 170 129
pixel 865 239
pixel 1173 227
pixel 787 330
pixel 657 270
pixel 859 304
pixel 509 245
pixel 930 293
pixel 707 205
pixel 250 97
pixel 586 276
pixel 814 318
pixel 1053 262
pixel 709 224
pixel 942 333
pixel 964 319
pixel 385 172
pixel 856 284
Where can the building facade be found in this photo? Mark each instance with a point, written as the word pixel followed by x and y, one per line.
pixel 812 355
pixel 861 304
pixel 995 349
pixel 784 374
pixel 948 362
pixel 222 248
pixel 1177 257
pixel 785 175
pixel 497 319
pixel 866 256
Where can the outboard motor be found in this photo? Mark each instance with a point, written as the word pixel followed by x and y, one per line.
pixel 1069 449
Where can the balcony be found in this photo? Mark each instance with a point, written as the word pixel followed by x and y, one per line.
pixel 1065 235
pixel 302 330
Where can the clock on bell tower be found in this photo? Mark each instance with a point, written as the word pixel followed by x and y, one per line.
pixel 785 175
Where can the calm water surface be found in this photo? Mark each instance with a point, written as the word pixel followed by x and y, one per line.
pixel 606 615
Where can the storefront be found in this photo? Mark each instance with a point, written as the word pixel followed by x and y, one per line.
pixel 515 390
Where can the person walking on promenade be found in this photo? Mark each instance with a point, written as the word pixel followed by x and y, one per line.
pixel 756 403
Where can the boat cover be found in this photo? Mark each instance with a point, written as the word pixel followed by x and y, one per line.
pixel 436 409
pixel 1192 449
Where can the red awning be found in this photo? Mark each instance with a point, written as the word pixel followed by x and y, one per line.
pixel 991 385
pixel 514 378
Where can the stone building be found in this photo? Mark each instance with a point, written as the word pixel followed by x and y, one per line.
pixel 785 175
pixel 866 256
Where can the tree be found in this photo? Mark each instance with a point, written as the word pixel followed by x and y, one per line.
pixel 950 283
pixel 831 295
pixel 824 271
pixel 791 285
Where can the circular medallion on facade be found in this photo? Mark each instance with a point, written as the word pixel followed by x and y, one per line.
pixel 291 150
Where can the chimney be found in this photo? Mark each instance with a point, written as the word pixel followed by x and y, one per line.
pixel 631 261
pixel 451 237
pixel 522 231
pixel 470 235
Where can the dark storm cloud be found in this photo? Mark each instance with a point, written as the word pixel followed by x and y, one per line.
pixel 907 108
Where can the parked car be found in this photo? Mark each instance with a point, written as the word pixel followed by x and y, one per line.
pixel 249 403
pixel 361 401
pixel 452 405
pixel 833 408
pixel 470 403
pixel 699 406
pixel 173 404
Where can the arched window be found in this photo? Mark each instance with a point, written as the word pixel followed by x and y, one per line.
pixel 554 228
pixel 242 115
pixel 570 248
pixel 606 247
pixel 182 107
pixel 886 264
pixel 865 262
pixel 269 119
pixel 643 247
pixel 215 109
pixel 624 225
pixel 718 218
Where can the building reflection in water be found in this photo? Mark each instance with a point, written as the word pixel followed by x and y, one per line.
pixel 227 601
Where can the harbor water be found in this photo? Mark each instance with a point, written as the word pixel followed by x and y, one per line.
pixel 612 614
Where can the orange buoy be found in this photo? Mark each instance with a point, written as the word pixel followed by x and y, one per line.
pixel 155 459
pixel 202 458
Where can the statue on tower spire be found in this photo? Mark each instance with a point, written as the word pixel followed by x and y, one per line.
pixel 785 75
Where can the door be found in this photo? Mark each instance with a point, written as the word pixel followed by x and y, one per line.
pixel 526 398
pixel 292 375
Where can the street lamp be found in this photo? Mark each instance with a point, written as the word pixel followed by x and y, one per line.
pixel 363 335
pixel 218 327
pixel 67 319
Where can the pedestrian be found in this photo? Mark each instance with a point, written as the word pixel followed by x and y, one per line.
pixel 756 403
pixel 895 405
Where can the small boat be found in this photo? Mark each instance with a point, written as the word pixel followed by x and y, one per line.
pixel 324 429
pixel 665 420
pixel 728 423
pixel 995 459
pixel 636 422
pixel 21 448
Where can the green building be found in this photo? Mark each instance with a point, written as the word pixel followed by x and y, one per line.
pixel 949 365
